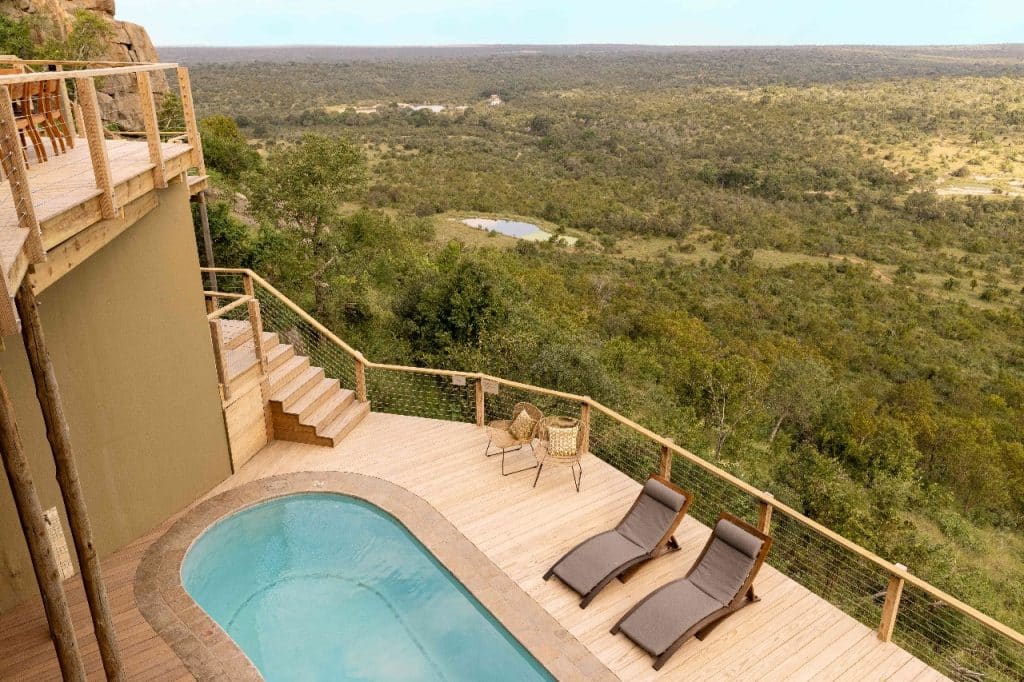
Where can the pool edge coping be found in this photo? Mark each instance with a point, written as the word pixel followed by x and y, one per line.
pixel 209 653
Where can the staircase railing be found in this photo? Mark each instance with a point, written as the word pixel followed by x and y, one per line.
pixel 948 634
pixel 243 308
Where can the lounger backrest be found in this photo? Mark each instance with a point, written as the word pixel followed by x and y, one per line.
pixel 727 563
pixel 652 515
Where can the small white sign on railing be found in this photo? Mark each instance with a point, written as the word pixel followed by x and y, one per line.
pixel 55 534
pixel 458 380
pixel 490 387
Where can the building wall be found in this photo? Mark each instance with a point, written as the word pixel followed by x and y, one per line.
pixel 128 336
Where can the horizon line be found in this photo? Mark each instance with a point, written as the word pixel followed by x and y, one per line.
pixel 584 44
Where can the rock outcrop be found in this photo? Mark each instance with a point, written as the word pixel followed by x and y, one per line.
pixel 128 43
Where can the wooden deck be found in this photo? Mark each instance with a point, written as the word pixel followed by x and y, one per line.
pixel 790 634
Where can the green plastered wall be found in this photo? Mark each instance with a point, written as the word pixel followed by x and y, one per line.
pixel 128 336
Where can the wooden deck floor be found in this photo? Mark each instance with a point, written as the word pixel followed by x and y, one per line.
pixel 790 634
pixel 67 180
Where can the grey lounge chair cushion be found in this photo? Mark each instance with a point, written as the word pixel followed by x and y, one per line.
pixel 647 523
pixel 737 537
pixel 722 571
pixel 667 614
pixel 662 493
pixel 590 563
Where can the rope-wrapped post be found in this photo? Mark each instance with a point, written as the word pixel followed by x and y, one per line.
pixel 764 514
pixel 893 594
pixel 480 404
pixel 360 379
pixel 585 425
pixel 218 356
pixel 665 465
pixel 256 322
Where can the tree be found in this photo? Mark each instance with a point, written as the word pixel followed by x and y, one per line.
pixel 87 39
pixel 730 387
pixel 16 37
pixel 301 190
pixel 225 148
pixel 799 386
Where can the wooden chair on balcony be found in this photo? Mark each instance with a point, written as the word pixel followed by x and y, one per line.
pixel 57 129
pixel 509 435
pixel 27 115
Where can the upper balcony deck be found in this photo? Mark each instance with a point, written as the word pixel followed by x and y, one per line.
pixel 70 182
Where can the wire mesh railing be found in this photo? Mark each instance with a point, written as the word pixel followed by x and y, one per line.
pixel 945 633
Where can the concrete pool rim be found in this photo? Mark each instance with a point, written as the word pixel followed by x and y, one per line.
pixel 209 653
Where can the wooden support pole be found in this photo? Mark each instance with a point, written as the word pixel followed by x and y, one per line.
pixel 764 514
pixel 191 127
pixel 152 125
pixel 481 416
pixel 219 359
pixel 59 435
pixel 17 173
pixel 256 322
pixel 361 379
pixel 665 465
pixel 30 514
pixel 893 594
pixel 585 425
pixel 204 223
pixel 86 88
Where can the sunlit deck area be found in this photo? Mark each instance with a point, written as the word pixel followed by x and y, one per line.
pixel 790 634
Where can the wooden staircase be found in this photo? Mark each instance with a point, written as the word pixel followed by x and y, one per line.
pixel 305 405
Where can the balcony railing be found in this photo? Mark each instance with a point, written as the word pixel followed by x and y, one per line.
pixel 67 167
pixel 938 628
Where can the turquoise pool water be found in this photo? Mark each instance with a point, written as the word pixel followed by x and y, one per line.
pixel 321 586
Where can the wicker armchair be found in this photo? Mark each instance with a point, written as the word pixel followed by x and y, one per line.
pixel 561 443
pixel 505 438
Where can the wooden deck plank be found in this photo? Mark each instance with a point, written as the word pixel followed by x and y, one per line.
pixel 790 634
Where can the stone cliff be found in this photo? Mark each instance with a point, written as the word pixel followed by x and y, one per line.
pixel 128 42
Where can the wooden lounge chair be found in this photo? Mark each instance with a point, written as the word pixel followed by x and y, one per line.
pixel 719 584
pixel 509 435
pixel 644 533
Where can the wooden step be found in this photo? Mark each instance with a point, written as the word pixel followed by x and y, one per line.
pixel 235 332
pixel 334 405
pixel 295 389
pixel 270 340
pixel 314 398
pixel 287 371
pixel 278 354
pixel 345 422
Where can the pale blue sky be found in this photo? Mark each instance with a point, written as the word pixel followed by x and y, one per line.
pixel 662 22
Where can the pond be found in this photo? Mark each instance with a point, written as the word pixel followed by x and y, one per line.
pixel 517 229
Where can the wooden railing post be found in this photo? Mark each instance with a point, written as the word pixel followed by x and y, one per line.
pixel 360 379
pixel 893 594
pixel 152 126
pixel 14 167
pixel 585 425
pixel 256 322
pixel 86 89
pixel 481 417
pixel 191 127
pixel 665 465
pixel 764 514
pixel 65 110
pixel 219 359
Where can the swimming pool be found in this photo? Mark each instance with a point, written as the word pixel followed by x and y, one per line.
pixel 321 586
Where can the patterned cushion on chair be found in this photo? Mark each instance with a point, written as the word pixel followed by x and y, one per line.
pixel 562 441
pixel 522 426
